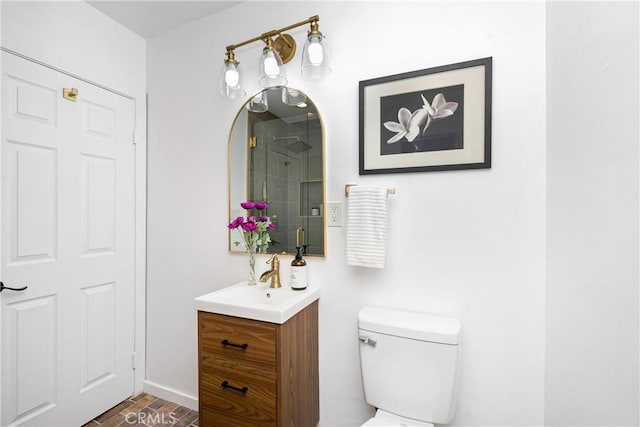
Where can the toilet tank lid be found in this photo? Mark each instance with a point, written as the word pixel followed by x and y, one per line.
pixel 409 324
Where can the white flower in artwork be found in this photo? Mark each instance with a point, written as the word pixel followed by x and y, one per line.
pixel 439 109
pixel 409 124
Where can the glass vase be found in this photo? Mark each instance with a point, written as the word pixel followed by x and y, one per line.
pixel 252 267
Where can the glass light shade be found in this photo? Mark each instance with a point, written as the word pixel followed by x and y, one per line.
pixel 272 72
pixel 293 97
pixel 258 104
pixel 230 81
pixel 315 57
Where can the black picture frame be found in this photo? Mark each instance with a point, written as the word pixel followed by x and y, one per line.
pixel 435 119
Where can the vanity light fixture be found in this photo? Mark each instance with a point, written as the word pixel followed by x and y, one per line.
pixel 280 48
pixel 259 103
pixel 315 58
pixel 230 81
pixel 272 72
pixel 293 97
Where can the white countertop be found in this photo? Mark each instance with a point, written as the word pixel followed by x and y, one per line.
pixel 257 302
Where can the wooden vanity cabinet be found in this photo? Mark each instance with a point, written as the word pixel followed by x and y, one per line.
pixel 258 374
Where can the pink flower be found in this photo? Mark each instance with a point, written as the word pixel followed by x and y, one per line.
pixel 236 223
pixel 253 229
pixel 249 226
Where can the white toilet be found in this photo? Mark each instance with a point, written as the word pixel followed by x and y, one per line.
pixel 409 365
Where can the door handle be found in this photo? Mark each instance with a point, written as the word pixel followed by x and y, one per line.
pixel 3 287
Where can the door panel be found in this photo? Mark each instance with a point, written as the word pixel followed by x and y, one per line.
pixel 27 322
pixel 67 233
pixel 98 120
pixel 32 101
pixel 98 204
pixel 32 174
pixel 98 335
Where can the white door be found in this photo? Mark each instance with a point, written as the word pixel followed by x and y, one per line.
pixel 67 234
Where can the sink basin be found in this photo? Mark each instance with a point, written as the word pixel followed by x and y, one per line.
pixel 257 302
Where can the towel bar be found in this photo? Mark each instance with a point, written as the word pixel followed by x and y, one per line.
pixel 390 190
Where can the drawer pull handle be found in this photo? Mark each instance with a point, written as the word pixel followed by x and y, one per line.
pixel 225 384
pixel 242 346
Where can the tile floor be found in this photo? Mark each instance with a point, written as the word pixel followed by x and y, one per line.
pixel 146 410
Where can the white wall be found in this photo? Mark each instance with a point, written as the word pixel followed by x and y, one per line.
pixel 78 39
pixel 592 214
pixel 468 243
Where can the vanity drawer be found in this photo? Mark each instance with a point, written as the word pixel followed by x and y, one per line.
pixel 221 336
pixel 208 418
pixel 228 405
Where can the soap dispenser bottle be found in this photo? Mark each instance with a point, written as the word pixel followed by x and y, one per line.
pixel 299 272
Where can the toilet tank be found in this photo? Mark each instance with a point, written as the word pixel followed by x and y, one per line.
pixel 409 362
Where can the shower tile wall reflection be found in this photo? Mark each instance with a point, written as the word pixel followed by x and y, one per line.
pixel 285 170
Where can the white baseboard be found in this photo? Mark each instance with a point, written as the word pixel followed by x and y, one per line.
pixel 170 394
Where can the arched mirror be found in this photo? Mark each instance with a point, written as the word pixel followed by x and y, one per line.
pixel 276 156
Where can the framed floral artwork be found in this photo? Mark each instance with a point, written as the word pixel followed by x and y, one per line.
pixel 427 120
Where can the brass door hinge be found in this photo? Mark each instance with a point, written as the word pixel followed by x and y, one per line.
pixel 253 142
pixel 70 94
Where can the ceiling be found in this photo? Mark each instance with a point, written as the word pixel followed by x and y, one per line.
pixel 150 18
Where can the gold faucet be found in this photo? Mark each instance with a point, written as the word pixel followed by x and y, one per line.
pixel 273 274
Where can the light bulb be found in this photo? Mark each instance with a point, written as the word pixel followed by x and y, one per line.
pixel 271 65
pixel 232 77
pixel 316 54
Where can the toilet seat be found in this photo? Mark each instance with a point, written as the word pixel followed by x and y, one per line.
pixel 386 419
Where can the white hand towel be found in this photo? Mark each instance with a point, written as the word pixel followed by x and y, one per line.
pixel 367 225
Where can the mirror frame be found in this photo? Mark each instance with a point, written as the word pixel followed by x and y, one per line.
pixel 243 108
